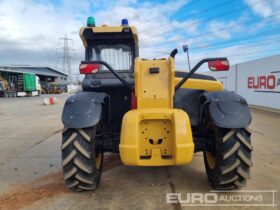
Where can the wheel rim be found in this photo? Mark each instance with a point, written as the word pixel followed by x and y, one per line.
pixel 98 160
pixel 210 157
pixel 211 160
pixel 98 150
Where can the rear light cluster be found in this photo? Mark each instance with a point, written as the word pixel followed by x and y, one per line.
pixel 133 101
pixel 89 68
pixel 218 65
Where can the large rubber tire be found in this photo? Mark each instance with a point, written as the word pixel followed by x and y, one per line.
pixel 228 167
pixel 82 159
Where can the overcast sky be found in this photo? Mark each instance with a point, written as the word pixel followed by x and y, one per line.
pixel 240 29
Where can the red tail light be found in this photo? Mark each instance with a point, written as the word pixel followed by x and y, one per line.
pixel 218 65
pixel 133 101
pixel 89 68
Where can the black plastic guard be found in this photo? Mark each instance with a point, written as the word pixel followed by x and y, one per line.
pixel 188 100
pixel 227 109
pixel 84 109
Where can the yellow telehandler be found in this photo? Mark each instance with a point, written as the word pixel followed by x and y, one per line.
pixel 150 114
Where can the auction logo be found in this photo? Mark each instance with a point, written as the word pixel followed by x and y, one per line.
pixel 257 198
pixel 264 83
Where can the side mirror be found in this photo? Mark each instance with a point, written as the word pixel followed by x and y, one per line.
pixel 218 65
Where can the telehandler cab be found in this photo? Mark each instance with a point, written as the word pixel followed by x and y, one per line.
pixel 151 114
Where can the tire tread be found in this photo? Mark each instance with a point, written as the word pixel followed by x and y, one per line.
pixel 233 161
pixel 78 159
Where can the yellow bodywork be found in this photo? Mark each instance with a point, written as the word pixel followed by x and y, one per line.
pixel 155 134
pixel 154 90
pixel 200 84
pixel 156 137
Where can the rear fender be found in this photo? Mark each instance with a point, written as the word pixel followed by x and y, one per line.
pixel 226 109
pixel 84 109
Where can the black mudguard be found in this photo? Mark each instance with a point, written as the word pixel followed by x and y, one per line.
pixel 84 109
pixel 227 109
